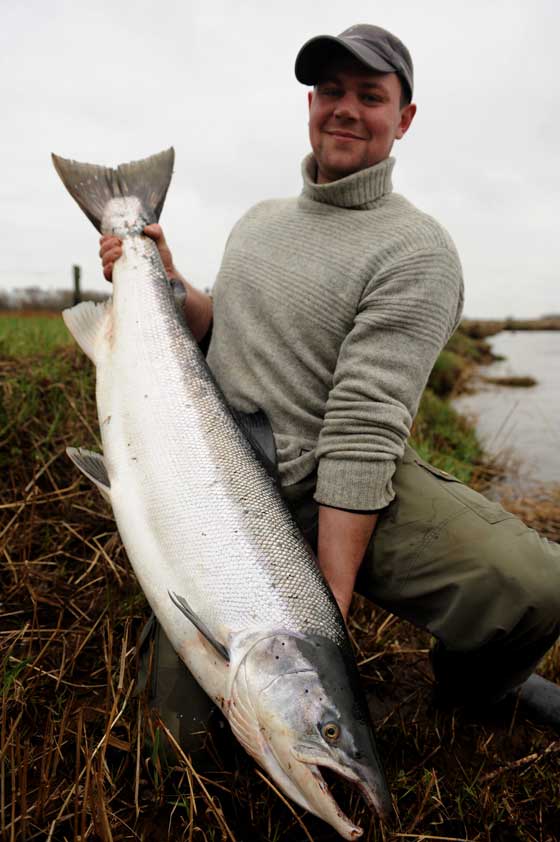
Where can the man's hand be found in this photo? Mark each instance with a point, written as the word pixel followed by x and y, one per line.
pixel 342 542
pixel 198 305
pixel 111 249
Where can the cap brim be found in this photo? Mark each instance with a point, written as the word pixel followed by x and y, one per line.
pixel 317 51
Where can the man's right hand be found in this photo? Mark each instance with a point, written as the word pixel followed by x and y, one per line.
pixel 111 249
pixel 198 307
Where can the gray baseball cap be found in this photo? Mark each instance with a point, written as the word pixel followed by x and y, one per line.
pixel 373 46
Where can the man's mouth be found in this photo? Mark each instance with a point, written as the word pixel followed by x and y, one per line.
pixel 341 135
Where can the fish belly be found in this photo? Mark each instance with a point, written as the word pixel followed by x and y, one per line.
pixel 198 514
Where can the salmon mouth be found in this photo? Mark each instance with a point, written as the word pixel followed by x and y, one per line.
pixel 344 824
pixel 355 783
pixel 367 783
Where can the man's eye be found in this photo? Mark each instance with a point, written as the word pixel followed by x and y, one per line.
pixel 329 91
pixel 371 98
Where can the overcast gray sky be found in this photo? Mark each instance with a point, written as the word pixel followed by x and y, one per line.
pixel 108 82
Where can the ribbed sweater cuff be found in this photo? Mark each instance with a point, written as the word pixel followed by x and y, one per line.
pixel 348 484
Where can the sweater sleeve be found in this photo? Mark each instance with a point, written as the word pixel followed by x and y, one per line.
pixel 405 317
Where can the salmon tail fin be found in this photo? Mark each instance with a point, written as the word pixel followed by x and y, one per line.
pixel 93 187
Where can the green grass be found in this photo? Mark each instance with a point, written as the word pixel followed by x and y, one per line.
pixel 45 377
pixel 476 350
pixel 77 758
pixel 448 368
pixel 444 438
pixel 25 336
pixel 440 435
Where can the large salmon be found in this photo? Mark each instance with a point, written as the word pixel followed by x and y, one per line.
pixel 222 563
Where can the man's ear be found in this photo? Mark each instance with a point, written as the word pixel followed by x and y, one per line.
pixel 309 98
pixel 407 116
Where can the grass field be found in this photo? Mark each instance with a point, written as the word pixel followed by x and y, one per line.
pixel 75 762
pixel 32 333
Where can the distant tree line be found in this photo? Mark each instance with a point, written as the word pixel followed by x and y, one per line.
pixel 481 328
pixel 35 298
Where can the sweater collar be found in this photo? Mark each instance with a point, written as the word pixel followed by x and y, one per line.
pixel 359 190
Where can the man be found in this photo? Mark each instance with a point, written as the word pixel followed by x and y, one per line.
pixel 329 312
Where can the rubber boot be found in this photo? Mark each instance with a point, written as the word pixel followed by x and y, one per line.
pixel 463 680
pixel 189 714
pixel 540 699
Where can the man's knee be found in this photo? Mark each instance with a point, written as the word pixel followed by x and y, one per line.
pixel 532 567
pixel 512 587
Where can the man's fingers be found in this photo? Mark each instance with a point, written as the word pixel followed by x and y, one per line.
pixel 108 240
pixel 111 248
pixel 111 255
pixel 154 232
pixel 106 243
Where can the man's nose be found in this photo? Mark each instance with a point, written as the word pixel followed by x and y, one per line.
pixel 347 108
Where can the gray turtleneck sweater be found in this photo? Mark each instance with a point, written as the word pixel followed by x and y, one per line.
pixel 329 312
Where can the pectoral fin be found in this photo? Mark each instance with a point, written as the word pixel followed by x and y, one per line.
pixel 185 609
pixel 92 465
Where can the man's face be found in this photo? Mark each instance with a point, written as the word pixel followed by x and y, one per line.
pixel 355 115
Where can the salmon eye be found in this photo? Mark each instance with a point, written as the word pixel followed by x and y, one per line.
pixel 331 731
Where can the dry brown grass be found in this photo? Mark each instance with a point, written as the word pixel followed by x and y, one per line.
pixel 75 762
pixel 540 509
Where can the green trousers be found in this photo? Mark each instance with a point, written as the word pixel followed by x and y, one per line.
pixel 448 560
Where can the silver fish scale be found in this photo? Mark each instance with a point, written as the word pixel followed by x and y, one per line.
pixel 217 513
pixel 200 517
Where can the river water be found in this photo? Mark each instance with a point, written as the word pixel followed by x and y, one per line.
pixel 522 423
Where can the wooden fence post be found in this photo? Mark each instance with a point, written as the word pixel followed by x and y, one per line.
pixel 77 292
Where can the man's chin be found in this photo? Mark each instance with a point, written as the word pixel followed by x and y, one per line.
pixel 334 170
pixel 337 163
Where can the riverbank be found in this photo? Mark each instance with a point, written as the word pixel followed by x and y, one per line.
pixel 516 428
pixel 519 426
pixel 481 328
pixel 76 762
pixel 440 434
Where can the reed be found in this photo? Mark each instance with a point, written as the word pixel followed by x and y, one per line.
pixel 78 754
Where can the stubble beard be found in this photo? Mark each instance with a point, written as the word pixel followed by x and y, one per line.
pixel 333 170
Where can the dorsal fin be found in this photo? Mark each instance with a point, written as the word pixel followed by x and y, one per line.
pixel 258 432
